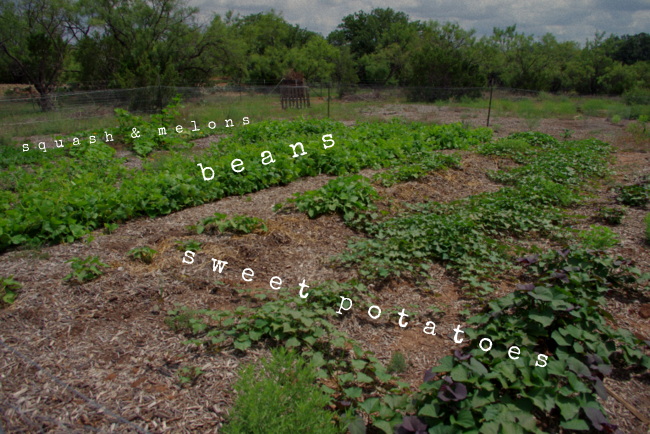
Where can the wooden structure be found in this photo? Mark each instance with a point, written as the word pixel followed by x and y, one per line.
pixel 294 91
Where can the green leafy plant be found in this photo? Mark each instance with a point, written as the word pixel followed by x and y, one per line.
pixel 567 134
pixel 143 254
pixel 109 228
pixel 410 172
pixel 637 195
pixel 350 196
pixel 612 216
pixel 186 321
pixel 144 136
pixel 191 245
pixel 647 228
pixel 299 324
pixel 397 363
pixel 69 197
pixel 238 224
pixel 280 397
pixel 468 234
pixel 558 315
pixel 85 270
pixel 598 237
pixel 8 290
pixel 189 375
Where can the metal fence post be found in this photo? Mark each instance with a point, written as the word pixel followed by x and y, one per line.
pixel 329 84
pixel 490 103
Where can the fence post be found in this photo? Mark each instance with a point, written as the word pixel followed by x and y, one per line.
pixel 329 84
pixel 490 103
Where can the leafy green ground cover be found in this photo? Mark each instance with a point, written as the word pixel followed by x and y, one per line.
pixel 476 235
pixel 60 200
pixel 556 319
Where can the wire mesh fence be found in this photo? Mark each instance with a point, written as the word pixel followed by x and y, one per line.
pixel 21 114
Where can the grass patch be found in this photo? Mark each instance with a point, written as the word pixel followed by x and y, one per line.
pixel 280 397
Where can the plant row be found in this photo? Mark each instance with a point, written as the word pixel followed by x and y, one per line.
pixel 60 200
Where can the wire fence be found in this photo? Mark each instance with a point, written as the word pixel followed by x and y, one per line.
pixel 153 98
pixel 21 113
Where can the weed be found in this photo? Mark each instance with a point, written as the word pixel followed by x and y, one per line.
pixel 8 290
pixel 143 254
pixel 598 237
pixel 85 270
pixel 637 195
pixel 567 134
pixel 109 228
pixel 611 216
pixel 397 363
pixel 189 375
pixel 237 224
pixel 186 321
pixel 191 245
pixel 647 229
pixel 280 397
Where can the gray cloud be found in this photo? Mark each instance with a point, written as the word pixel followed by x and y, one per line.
pixel 576 20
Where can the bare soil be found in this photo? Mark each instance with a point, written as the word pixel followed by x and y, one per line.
pixel 107 339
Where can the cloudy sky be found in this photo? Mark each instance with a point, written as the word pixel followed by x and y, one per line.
pixel 575 20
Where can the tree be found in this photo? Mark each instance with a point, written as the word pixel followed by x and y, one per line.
pixel 315 60
pixel 630 49
pixel 153 44
pixel 377 41
pixel 442 57
pixel 269 39
pixel 37 36
pixel 136 43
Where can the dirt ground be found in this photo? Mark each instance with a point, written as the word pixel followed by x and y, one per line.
pixel 99 357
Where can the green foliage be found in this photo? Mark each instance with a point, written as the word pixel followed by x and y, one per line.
pixel 8 290
pixel 189 375
pixel 441 57
pixel 637 96
pixel 647 229
pixel 640 127
pixel 560 313
pixel 65 198
pixel 237 224
pixel 298 323
pixel 637 195
pixel 191 245
pixel 598 237
pixel 350 196
pixel 468 235
pixel 410 172
pixel 143 136
pixel 280 397
pixel 36 36
pixel 397 363
pixel 518 149
pixel 143 254
pixel 611 216
pixel 187 321
pixel 129 49
pixel 85 270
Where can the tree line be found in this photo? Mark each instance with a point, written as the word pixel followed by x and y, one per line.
pixel 138 43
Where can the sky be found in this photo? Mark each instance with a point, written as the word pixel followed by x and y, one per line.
pixel 576 20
